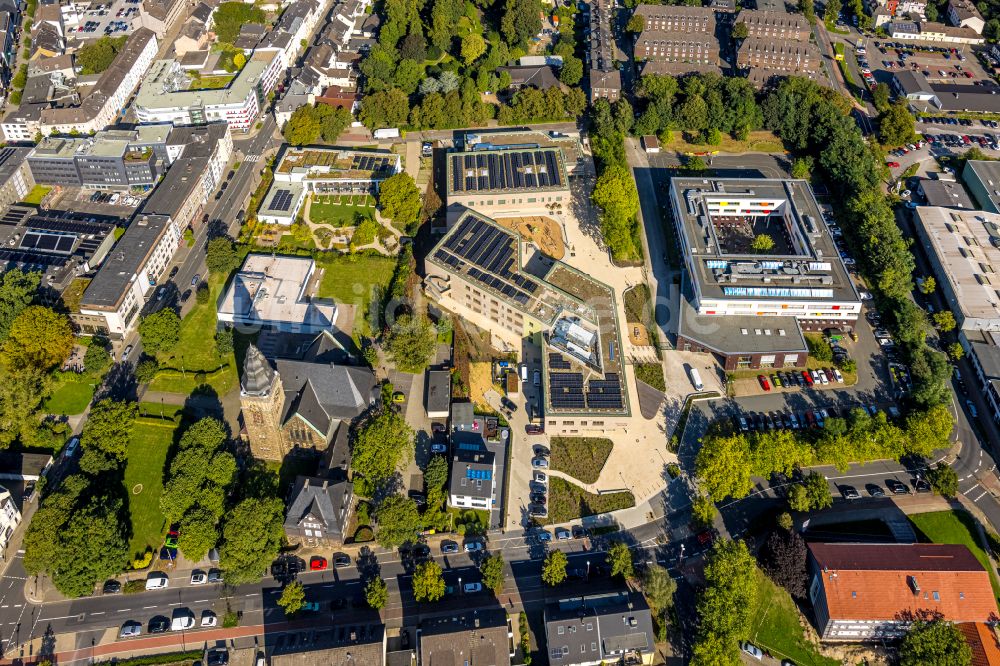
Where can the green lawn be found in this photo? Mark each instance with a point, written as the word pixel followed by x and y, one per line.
pixel 775 626
pixel 582 458
pixel 652 374
pixel 211 82
pixel 954 527
pixel 337 212
pixel 349 278
pixel 147 454
pixel 568 501
pixel 37 193
pixel 71 394
pixel 194 360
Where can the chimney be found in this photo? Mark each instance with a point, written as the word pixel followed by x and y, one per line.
pixel 477 623
pixel 306 483
pixel 325 483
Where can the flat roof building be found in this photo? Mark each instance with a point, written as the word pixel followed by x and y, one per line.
pixel 749 307
pixel 478 271
pixel 164 96
pixel 506 181
pixel 106 161
pixel 466 637
pixel 962 248
pixel 472 484
pixel 278 293
pixel 438 400
pixel 944 193
pixel 362 642
pixel 315 169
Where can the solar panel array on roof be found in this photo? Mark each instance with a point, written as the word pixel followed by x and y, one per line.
pixel 487 254
pixel 605 393
pixel 69 226
pixel 505 170
pixel 482 474
pixel 557 362
pixel 11 218
pixel 566 390
pixel 282 200
pixel 45 242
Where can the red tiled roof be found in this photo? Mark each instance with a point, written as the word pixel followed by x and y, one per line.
pixel 889 581
pixel 983 641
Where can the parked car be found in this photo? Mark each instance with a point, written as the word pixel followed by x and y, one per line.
pixel 158 625
pixel 317 563
pixel 539 462
pixel 131 629
pixel 341 561
pixel 438 447
pixel 473 546
pixel 449 548
pixel 764 384
pixel 471 588
pixel 897 487
pixel 157 581
pixel 850 492
pixel 563 534
pixel 199 578
pixel 112 587
pixel 209 619
pixel 752 650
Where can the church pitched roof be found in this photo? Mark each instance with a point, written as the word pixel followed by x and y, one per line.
pixel 320 393
pixel 258 375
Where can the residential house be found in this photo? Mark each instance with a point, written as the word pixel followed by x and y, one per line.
pixel 600 629
pixel 470 637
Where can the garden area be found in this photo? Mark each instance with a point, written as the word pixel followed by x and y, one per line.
pixel 954 527
pixel 582 458
pixel 775 626
pixel 568 501
pixel 340 210
pixel 35 196
pixel 651 374
pixel 194 360
pixel 349 278
pixel 147 455
pixel 71 393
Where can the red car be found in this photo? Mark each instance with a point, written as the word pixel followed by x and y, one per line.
pixel 764 384
pixel 892 165
pixel 317 563
pixel 807 377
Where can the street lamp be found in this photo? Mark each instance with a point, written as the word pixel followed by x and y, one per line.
pixel 588 569
pixel 460 585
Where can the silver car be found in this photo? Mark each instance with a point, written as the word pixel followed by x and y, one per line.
pixel 130 629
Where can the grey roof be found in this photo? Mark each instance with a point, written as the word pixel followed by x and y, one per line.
pixel 735 334
pixel 947 194
pixel 185 173
pixel 258 375
pixel 438 391
pixel 542 77
pixel 315 499
pixel 359 644
pixel 462 415
pixel 476 638
pixel 987 352
pixel 913 82
pixel 321 394
pixel 18 466
pixel 598 628
pixel 202 12
pixel 11 159
pixel 129 254
pixel 472 473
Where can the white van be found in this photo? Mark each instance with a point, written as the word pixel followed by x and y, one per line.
pixel 183 619
pixel 157 581
pixel 696 380
pixel 524 372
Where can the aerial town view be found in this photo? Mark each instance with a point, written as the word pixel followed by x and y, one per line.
pixel 499 332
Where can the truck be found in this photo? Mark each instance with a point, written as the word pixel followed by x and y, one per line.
pixel 696 380
pixel 387 133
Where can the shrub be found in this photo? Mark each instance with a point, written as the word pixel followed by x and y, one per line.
pixel 363 535
pixel 134 587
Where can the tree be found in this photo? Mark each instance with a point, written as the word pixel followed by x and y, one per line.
pixel 199 533
pixel 221 256
pixel 411 344
pixel 930 372
pixel 944 321
pixel 224 341
pixel 239 59
pixel 703 510
pixel 302 128
pixel 832 12
pixel 385 108
pixel 17 289
pixel 413 47
pixel 896 125
pixel 798 498
pixel 696 164
pixel 619 558
pixel 38 338
pixel 723 466
pixel 944 480
pixel 428 581
pixel 802 167
pixel 229 17
pixel 956 351
pixel 293 598
pixel 251 539
pixel 762 244
pixel 109 428
pixel 398 521
pixel 97 56
pixel 473 47
pixel 818 491
pixel 936 643
pixel 659 588
pixel 784 560
pixel 554 568
pixel 520 22
pixel 492 570
pixel 636 24
pixel 931 12
pixel 927 285
pixel 97 359
pixel 380 444
pixel 436 478
pixel 740 30
pixel 146 369
pixel 399 199
pixel 808 9
pixel 572 70
pixel 160 331
pixel 376 593
pixel 880 96
pixel 21 393
pixel 726 605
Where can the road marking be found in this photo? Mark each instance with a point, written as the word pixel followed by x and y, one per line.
pixel 201 601
pixel 147 607
pixel 176 603
pixel 98 613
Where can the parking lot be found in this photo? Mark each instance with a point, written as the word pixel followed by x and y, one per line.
pixel 97 202
pixel 111 19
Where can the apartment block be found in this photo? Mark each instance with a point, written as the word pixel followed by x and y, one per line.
pixel 774 25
